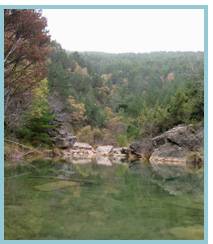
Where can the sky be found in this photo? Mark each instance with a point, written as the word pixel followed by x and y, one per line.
pixel 121 31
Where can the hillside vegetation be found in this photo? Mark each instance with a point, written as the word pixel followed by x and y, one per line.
pixel 102 98
pixel 116 98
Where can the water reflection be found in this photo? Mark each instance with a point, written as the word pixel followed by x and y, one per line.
pixel 99 159
pixel 90 200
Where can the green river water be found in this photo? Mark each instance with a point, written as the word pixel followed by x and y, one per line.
pixel 61 200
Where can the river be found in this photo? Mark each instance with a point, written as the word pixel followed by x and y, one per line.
pixel 59 200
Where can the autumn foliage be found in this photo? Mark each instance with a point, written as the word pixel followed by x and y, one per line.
pixel 26 48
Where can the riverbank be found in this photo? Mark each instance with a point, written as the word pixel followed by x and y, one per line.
pixel 181 145
pixel 15 152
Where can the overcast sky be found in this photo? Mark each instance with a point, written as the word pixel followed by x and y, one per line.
pixel 118 31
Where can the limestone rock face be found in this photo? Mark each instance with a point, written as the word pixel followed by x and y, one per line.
pixel 61 134
pixel 182 145
pixel 181 135
pixel 176 146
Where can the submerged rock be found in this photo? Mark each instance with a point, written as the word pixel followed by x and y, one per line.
pixel 195 232
pixel 56 185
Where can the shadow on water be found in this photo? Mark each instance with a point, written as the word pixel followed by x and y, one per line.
pixel 130 200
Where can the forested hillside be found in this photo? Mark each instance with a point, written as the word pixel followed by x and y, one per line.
pixel 117 98
pixel 102 98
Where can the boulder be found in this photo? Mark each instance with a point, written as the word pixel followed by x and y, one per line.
pixel 142 149
pixel 65 142
pixel 184 136
pixel 125 150
pixel 159 140
pixel 169 154
pixel 179 146
pixel 117 150
pixel 82 153
pixel 61 142
pixel 104 150
pixel 181 135
pixel 170 160
pixel 81 145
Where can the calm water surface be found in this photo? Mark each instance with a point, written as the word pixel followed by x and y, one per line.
pixel 62 200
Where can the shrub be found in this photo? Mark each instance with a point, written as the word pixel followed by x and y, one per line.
pixel 35 130
pixel 90 135
pixel 122 140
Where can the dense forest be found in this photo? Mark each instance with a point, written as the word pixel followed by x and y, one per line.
pixel 102 98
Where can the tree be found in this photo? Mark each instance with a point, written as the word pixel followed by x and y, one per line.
pixel 26 47
pixel 38 120
pixel 128 95
pixel 77 111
